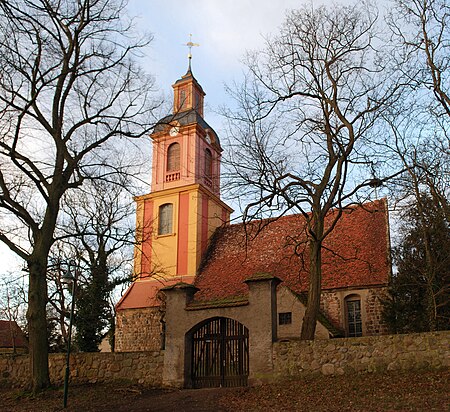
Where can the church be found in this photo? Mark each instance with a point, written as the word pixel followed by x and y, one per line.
pixel 215 295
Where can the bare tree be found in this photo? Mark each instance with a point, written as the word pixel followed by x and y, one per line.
pixel 69 85
pixel 419 126
pixel 422 200
pixel 101 224
pixel 420 121
pixel 58 302
pixel 422 31
pixel 301 134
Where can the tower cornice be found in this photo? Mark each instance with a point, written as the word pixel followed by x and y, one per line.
pixel 185 189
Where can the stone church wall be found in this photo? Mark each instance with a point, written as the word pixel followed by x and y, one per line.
pixel 374 308
pixel 138 330
pixel 333 306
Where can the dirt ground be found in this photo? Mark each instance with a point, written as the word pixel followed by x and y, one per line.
pixel 412 391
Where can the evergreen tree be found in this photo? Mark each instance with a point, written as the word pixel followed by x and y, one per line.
pixel 93 311
pixel 56 342
pixel 420 290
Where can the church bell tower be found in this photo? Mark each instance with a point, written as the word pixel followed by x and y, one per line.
pixel 176 220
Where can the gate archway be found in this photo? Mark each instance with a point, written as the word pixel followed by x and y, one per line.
pixel 219 354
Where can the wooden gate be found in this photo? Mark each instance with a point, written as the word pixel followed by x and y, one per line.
pixel 220 354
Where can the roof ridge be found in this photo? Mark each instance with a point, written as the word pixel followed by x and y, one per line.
pixel 286 216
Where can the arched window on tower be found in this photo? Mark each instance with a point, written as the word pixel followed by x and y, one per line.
pixel 173 157
pixel 353 315
pixel 165 219
pixel 208 164
pixel 183 99
pixel 197 101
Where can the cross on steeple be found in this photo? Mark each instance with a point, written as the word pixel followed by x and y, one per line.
pixel 190 45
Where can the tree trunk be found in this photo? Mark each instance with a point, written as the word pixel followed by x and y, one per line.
pixel 38 294
pixel 37 324
pixel 315 286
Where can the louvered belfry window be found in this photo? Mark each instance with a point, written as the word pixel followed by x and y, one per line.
pixel 208 163
pixel 183 99
pixel 173 157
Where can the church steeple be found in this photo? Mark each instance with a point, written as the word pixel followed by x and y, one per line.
pixel 175 221
pixel 188 94
pixel 184 208
pixel 186 150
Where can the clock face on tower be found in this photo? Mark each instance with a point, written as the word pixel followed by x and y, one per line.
pixel 208 139
pixel 174 131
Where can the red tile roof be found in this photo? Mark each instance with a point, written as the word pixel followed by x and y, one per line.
pixel 356 254
pixel 5 335
pixel 143 293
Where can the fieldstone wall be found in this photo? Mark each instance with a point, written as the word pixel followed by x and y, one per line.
pixel 374 308
pixel 365 354
pixel 332 303
pixel 141 367
pixel 429 351
pixel 138 330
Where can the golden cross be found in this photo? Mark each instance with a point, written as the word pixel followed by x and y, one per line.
pixel 190 45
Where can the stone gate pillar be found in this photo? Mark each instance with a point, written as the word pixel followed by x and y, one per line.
pixel 263 326
pixel 177 298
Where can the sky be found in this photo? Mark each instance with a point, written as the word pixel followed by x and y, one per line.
pixel 225 30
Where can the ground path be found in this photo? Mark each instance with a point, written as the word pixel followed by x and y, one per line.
pixel 409 391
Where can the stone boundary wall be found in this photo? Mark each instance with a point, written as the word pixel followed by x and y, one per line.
pixel 366 354
pixel 141 367
pixel 138 330
pixel 430 351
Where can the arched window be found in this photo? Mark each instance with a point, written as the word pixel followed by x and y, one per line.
pixel 353 315
pixel 183 99
pixel 208 163
pixel 165 219
pixel 173 157
pixel 197 101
